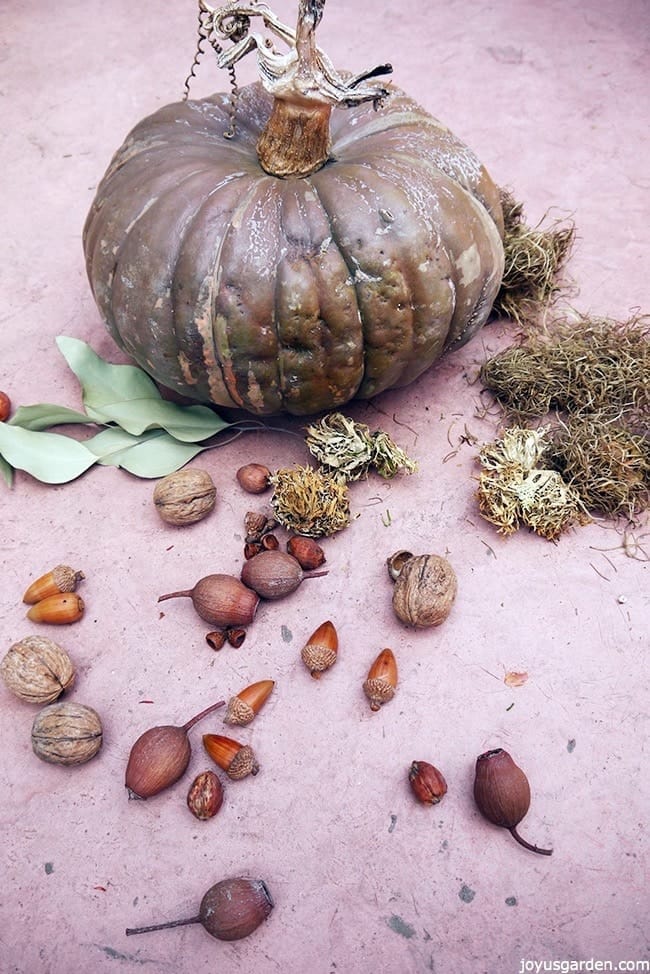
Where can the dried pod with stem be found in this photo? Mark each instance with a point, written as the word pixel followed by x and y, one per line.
pixel 381 682
pixel 160 757
pixel 230 910
pixel 222 600
pixel 502 793
pixel 60 609
pixel 320 651
pixel 237 760
pixel 66 733
pixel 245 705
pixel 274 574
pixel 60 579
pixel 37 670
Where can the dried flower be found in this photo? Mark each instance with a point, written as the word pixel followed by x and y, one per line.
pixel 348 448
pixel 309 502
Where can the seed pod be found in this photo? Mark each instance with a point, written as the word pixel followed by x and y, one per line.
pixel 269 542
pixel 205 797
pixel 230 910
pixel 221 600
pixel 502 793
pixel 37 670
pixel 61 578
pixel 58 610
pixel 5 407
pixel 243 707
pixel 427 783
pixel 257 524
pixel 274 574
pixel 160 757
pixel 237 760
pixel 66 733
pixel 253 478
pixel 321 649
pixel 216 639
pixel 307 552
pixel 381 682
pixel 396 562
pixel 236 637
pixel 424 592
pixel 185 496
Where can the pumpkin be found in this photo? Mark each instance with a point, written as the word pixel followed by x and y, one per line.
pixel 314 257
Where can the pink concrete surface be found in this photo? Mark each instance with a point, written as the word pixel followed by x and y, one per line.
pixel 554 99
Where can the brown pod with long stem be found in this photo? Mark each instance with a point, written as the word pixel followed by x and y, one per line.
pixel 222 600
pixel 502 794
pixel 230 910
pixel 160 757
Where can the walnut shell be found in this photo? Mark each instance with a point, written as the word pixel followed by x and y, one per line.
pixel 185 496
pixel 66 733
pixel 37 670
pixel 424 591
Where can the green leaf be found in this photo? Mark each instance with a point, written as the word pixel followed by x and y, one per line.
pixel 152 454
pixel 49 457
pixel 7 471
pixel 186 423
pixel 104 384
pixel 45 414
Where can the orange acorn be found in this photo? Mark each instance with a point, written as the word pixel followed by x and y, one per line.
pixel 320 651
pixel 62 578
pixel 58 610
pixel 236 759
pixel 381 682
pixel 243 707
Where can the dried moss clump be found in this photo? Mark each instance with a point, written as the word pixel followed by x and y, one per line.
pixel 345 447
pixel 310 502
pixel 534 259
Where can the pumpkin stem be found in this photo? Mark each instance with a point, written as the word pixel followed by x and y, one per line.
pixel 303 82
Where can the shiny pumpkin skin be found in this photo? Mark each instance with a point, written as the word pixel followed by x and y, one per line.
pixel 234 287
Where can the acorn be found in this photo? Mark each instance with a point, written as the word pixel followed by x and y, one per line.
pixel 237 760
pixel 307 552
pixel 274 574
pixel 58 610
pixel 427 783
pixel 205 797
pixel 230 910
pixel 244 706
pixel 502 794
pixel 381 682
pixel 253 478
pixel 61 578
pixel 321 649
pixel 222 600
pixel 160 757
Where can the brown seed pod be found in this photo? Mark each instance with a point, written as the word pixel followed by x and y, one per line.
pixel 230 910
pixel 61 578
pixel 160 757
pixel 274 574
pixel 307 552
pixel 253 478
pixel 424 592
pixel 66 733
pixel 502 794
pixel 243 707
pixel 185 496
pixel 320 651
pixel 427 783
pixel 216 639
pixel 5 407
pixel 205 797
pixel 58 610
pixel 381 682
pixel 221 600
pixel 37 670
pixel 256 525
pixel 237 760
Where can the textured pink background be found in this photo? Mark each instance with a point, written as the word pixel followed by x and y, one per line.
pixel 554 99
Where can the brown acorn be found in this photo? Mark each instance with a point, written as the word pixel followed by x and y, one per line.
pixel 502 794
pixel 230 910
pixel 427 783
pixel 381 682
pixel 61 578
pixel 205 797
pixel 58 610
pixel 243 707
pixel 236 759
pixel 321 649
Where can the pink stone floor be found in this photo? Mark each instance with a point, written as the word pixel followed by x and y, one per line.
pixel 553 97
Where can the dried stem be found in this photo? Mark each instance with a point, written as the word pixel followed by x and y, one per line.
pixel 527 845
pixel 204 713
pixel 176 595
pixel 162 926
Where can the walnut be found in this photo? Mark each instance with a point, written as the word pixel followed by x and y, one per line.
pixel 185 496
pixel 66 733
pixel 424 591
pixel 37 670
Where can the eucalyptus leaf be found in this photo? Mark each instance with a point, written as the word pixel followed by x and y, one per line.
pixel 50 457
pixel 152 454
pixel 186 423
pixel 102 383
pixel 45 414
pixel 7 471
